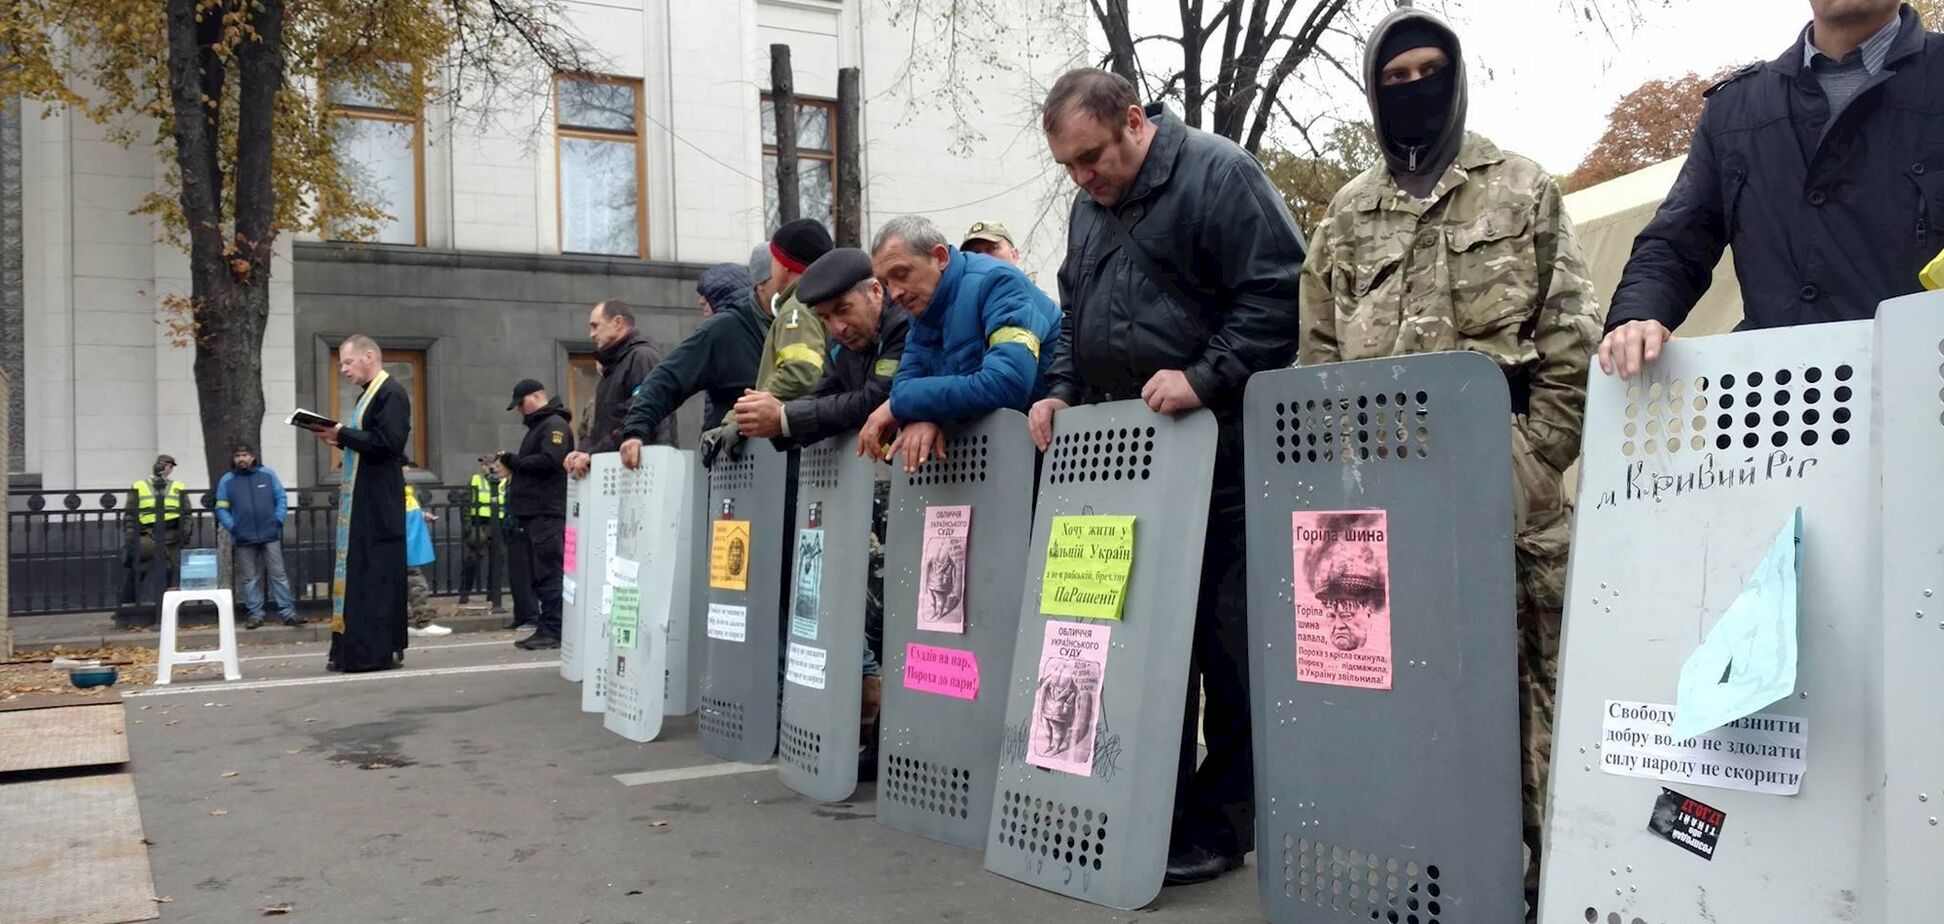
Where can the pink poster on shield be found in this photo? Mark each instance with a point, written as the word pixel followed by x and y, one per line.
pixel 944 671
pixel 1066 706
pixel 567 556
pixel 941 593
pixel 1343 616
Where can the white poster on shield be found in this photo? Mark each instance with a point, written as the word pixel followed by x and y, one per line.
pixel 1761 753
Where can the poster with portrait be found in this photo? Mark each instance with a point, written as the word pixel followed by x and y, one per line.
pixel 729 555
pixel 1342 592
pixel 1066 704
pixel 806 602
pixel 941 594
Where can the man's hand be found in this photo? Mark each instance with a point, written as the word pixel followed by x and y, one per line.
pixel 631 453
pixel 1632 345
pixel 430 517
pixel 578 463
pixel 329 437
pixel 876 434
pixel 1039 420
pixel 1168 392
pixel 759 414
pixel 920 443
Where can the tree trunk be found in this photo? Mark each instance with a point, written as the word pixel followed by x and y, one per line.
pixel 850 161
pixel 783 98
pixel 1112 16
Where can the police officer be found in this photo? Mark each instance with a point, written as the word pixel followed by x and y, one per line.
pixel 539 501
pixel 485 510
pixel 1454 244
pixel 153 528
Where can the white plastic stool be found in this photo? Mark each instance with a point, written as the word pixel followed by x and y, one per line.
pixel 225 650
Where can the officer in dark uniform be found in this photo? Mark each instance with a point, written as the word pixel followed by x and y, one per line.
pixel 538 500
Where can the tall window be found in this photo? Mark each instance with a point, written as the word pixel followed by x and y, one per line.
pixel 600 156
pixel 383 156
pixel 407 368
pixel 816 159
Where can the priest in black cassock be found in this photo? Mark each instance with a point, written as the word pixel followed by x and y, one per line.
pixel 368 590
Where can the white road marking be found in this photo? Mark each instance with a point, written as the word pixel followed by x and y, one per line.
pixel 217 686
pixel 414 649
pixel 647 777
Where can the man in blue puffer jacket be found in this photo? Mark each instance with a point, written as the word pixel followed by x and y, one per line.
pixel 977 326
pixel 250 504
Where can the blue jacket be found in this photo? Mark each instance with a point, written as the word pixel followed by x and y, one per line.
pixel 251 504
pixel 985 342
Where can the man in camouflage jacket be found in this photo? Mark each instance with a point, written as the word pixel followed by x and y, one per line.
pixel 1453 244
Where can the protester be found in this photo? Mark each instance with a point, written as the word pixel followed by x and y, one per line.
pixel 992 239
pixel 419 555
pixel 1490 265
pixel 153 532
pixel 539 501
pixel 368 591
pixel 626 357
pixel 977 325
pixel 1819 169
pixel 718 357
pixel 870 332
pixel 250 504
pixel 1181 327
pixel 485 510
pixel 792 358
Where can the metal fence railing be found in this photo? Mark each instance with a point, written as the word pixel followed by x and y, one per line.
pixel 67 549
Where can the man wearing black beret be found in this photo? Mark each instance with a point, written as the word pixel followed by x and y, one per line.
pixel 870 333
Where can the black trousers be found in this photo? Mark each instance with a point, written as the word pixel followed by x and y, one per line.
pixel 538 546
pixel 1215 802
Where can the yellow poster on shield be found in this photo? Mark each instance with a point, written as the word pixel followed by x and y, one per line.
pixel 729 555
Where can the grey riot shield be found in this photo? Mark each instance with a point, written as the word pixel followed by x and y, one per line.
pixel 1105 695
pixel 824 635
pixel 1382 636
pixel 945 682
pixel 749 522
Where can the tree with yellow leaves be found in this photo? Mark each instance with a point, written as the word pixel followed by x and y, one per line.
pixel 236 94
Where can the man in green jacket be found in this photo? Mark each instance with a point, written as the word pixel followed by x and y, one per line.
pixel 792 359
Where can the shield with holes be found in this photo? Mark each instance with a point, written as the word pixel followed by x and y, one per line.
pixel 573 660
pixel 690 606
pixel 1910 377
pixel 751 526
pixel 824 644
pixel 595 545
pixel 945 681
pixel 1103 693
pixel 1382 641
pixel 1690 473
pixel 648 554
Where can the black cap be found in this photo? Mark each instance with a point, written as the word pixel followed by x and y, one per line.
pixel 832 275
pixel 520 391
pixel 243 446
pixel 165 459
pixel 800 243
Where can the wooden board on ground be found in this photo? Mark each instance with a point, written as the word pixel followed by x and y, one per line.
pixel 73 853
pixel 53 739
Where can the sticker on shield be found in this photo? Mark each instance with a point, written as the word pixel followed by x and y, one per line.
pixel 1072 667
pixel 1342 593
pixel 1689 823
pixel 729 555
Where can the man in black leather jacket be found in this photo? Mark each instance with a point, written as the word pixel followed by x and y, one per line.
pixel 1209 300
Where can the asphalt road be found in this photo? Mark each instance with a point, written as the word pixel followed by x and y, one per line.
pixel 470 787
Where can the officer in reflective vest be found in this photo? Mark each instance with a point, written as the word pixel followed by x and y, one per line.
pixel 153 526
pixel 488 506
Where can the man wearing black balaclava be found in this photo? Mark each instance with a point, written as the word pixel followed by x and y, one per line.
pixel 1453 244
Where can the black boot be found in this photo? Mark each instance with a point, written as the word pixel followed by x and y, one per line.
pixel 538 640
pixel 1198 864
